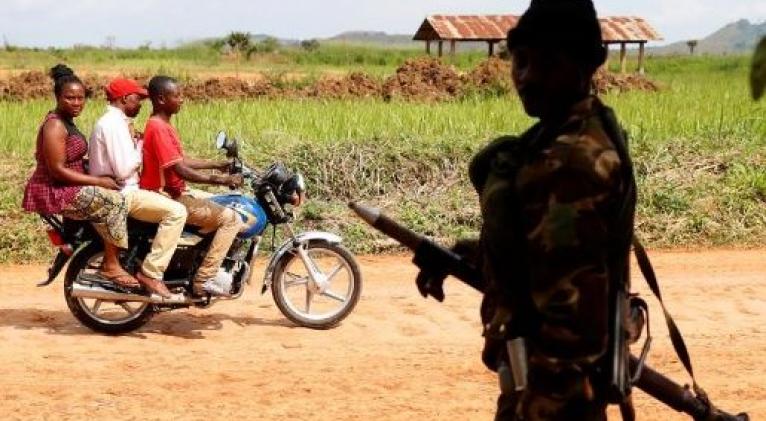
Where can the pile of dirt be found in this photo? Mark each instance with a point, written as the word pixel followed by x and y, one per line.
pixel 227 88
pixel 606 82
pixel 27 85
pixel 425 79
pixel 493 74
pixel 354 85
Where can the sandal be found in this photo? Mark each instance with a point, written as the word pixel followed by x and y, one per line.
pixel 154 285
pixel 123 280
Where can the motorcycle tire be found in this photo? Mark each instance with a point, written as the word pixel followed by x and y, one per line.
pixel 288 307
pixel 81 311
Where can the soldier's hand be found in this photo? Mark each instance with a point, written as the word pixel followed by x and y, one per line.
pixel 431 282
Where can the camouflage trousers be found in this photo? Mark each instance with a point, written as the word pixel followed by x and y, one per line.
pixel 539 408
pixel 548 397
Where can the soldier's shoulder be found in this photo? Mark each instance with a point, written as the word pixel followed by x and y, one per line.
pixel 588 148
pixel 481 163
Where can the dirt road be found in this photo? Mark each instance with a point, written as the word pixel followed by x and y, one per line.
pixel 397 357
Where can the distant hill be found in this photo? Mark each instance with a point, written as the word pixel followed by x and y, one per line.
pixel 377 38
pixel 736 37
pixel 382 39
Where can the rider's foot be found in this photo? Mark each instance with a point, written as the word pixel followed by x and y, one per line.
pixel 154 285
pixel 213 286
pixel 119 277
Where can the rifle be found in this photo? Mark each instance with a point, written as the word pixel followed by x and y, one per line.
pixel 429 255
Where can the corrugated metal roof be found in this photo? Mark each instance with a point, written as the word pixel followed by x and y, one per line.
pixel 495 28
pixel 466 27
pixel 627 28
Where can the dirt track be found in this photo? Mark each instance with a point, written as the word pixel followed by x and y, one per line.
pixel 396 357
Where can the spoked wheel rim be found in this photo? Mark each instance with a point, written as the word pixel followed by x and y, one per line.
pixel 305 299
pixel 106 311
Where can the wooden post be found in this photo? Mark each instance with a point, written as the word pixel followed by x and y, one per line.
pixel 641 58
pixel 606 59
pixel 491 48
pixel 452 48
pixel 623 56
pixel 428 47
pixel 441 48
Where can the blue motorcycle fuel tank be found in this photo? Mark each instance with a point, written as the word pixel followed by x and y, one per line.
pixel 251 212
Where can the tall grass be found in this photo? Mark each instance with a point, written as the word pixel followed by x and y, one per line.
pixel 201 58
pixel 699 146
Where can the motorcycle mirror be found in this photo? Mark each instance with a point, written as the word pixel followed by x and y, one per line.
pixel 227 144
pixel 232 148
pixel 220 140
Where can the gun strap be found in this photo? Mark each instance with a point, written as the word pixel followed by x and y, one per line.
pixel 675 334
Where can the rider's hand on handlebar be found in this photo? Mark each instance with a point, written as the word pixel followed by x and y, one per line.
pixel 235 180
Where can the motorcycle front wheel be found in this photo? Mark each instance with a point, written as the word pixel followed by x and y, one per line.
pixel 105 316
pixel 302 302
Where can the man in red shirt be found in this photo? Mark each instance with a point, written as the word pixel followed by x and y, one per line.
pixel 167 168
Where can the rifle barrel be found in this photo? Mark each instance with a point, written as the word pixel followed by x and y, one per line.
pixel 651 382
pixel 388 226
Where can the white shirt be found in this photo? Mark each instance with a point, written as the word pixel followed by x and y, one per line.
pixel 112 150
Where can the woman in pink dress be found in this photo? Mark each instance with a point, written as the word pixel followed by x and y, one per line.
pixel 60 184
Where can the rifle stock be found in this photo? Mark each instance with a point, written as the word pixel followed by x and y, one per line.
pixel 429 253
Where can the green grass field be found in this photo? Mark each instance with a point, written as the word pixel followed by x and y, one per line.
pixel 198 58
pixel 699 146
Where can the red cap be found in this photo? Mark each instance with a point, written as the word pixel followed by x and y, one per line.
pixel 120 87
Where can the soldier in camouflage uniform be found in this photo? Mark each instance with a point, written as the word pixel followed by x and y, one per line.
pixel 557 204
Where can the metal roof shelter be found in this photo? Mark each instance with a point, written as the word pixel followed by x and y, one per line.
pixel 493 29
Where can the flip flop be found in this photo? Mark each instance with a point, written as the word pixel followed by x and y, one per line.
pixel 124 280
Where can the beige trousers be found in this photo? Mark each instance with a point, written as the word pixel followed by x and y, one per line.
pixel 149 206
pixel 210 216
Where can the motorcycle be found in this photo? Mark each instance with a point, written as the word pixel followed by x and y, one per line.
pixel 314 280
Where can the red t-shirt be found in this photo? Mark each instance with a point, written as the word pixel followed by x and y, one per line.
pixel 162 150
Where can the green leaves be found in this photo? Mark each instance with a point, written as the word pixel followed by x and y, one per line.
pixel 758 71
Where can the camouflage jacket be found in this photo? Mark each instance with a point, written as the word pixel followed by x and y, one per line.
pixel 557 224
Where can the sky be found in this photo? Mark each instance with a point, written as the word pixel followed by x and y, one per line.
pixel 44 23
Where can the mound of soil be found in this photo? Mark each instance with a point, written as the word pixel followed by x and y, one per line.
pixel 426 79
pixel 354 85
pixel 227 88
pixel 491 74
pixel 422 79
pixel 610 82
pixel 28 85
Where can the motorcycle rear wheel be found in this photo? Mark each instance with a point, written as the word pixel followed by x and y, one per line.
pixel 293 294
pixel 102 316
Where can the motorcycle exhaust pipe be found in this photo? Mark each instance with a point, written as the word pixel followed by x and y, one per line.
pixel 99 293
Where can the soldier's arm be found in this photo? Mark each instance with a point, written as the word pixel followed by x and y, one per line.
pixel 479 167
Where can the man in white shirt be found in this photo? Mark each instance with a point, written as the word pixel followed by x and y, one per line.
pixel 115 151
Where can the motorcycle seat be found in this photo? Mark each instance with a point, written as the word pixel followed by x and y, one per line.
pixel 149 229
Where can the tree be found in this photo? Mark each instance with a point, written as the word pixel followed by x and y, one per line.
pixel 691 44
pixel 266 45
pixel 310 45
pixel 239 43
